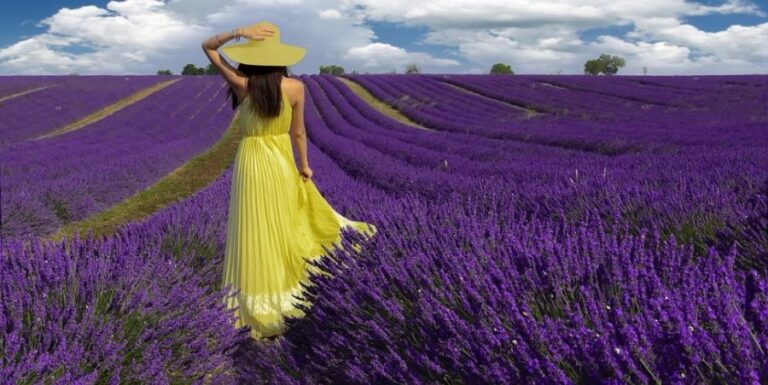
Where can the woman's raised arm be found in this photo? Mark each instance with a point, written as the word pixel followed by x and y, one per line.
pixel 230 74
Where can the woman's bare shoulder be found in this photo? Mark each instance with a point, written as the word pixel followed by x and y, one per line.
pixel 294 82
pixel 295 90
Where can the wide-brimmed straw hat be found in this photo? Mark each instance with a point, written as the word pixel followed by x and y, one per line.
pixel 269 51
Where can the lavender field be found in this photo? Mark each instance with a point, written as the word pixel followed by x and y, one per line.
pixel 63 98
pixel 90 169
pixel 541 229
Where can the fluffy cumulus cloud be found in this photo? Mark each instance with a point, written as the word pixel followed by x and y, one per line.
pixel 376 56
pixel 534 36
pixel 546 35
pixel 124 37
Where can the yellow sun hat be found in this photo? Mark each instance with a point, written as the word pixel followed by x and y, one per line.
pixel 268 51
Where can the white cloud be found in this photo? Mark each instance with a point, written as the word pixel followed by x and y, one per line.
pixel 663 58
pixel 746 42
pixel 330 14
pixel 534 36
pixel 535 13
pixel 120 38
pixel 142 36
pixel 730 6
pixel 381 57
pixel 644 54
pixel 543 35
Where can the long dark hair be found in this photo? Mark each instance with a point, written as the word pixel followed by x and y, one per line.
pixel 263 88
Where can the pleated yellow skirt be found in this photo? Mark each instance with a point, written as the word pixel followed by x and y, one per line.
pixel 275 220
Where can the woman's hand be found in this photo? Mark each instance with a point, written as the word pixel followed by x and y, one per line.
pixel 305 173
pixel 256 32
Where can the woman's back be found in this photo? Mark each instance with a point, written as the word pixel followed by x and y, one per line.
pixel 255 126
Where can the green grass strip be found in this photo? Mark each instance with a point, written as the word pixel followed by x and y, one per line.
pixel 199 172
pixel 29 91
pixel 380 106
pixel 109 110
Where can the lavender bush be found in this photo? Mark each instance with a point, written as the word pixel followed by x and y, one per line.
pixel 118 310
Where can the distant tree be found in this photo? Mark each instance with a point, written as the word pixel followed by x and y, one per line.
pixel 211 70
pixel 331 70
pixel 593 67
pixel 164 72
pixel 501 68
pixel 645 70
pixel 612 64
pixel 191 69
pixel 605 64
pixel 412 69
pixel 354 72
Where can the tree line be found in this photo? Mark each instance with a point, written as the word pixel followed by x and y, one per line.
pixel 604 64
pixel 191 69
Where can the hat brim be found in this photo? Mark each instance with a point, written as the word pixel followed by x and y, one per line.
pixel 276 55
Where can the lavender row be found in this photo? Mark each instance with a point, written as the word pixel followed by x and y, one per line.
pixel 727 100
pixel 629 119
pixel 364 117
pixel 377 139
pixel 525 91
pixel 623 88
pixel 642 189
pixel 10 85
pixel 446 109
pixel 67 100
pixel 718 83
pixel 49 182
pixel 613 132
pixel 438 102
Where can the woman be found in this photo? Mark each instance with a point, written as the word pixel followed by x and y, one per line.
pixel 276 215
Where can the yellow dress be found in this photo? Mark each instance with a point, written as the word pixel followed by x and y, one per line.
pixel 275 220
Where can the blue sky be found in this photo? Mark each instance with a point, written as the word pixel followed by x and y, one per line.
pixel 391 34
pixel 19 19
